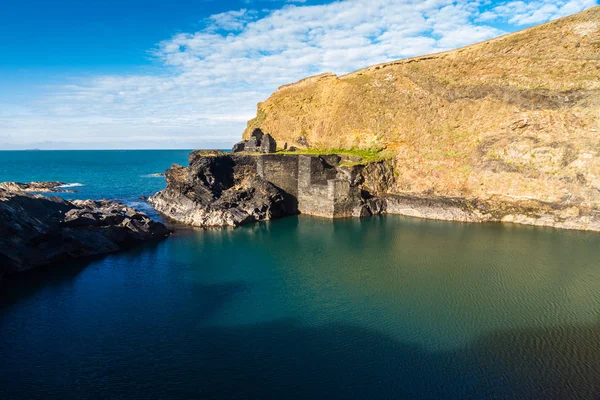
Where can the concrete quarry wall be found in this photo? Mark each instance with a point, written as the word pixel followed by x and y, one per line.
pixel 313 182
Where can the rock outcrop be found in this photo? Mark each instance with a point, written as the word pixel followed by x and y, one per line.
pixel 38 230
pixel 220 189
pixel 36 187
pixel 509 126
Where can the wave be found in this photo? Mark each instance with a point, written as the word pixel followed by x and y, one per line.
pixel 69 185
pixel 157 175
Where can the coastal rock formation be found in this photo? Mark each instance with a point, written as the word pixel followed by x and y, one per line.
pixel 507 128
pixel 38 230
pixel 257 143
pixel 36 187
pixel 220 189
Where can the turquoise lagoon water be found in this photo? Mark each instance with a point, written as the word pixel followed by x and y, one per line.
pixel 300 308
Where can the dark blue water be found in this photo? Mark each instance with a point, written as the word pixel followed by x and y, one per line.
pixel 302 307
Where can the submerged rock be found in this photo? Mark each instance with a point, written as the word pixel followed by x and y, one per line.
pixel 38 230
pixel 220 189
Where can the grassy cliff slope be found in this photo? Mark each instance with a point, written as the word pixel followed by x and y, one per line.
pixel 515 118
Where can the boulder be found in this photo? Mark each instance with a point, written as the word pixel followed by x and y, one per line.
pixel 238 147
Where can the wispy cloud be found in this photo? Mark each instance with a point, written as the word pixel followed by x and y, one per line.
pixel 212 79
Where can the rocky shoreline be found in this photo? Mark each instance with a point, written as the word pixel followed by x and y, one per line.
pixel 38 231
pixel 232 189
pixel 37 187
pixel 219 189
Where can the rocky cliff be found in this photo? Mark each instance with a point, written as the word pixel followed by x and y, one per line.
pixel 219 189
pixel 507 129
pixel 37 230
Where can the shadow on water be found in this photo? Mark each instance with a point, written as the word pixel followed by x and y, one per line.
pixel 163 342
pixel 17 287
pixel 284 359
pixel 342 361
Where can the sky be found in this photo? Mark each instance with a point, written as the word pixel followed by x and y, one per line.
pixel 134 74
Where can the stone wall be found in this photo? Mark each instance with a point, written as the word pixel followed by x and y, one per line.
pixel 312 183
pixel 280 170
pixel 320 194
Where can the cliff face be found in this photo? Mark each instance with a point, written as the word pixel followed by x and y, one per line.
pixel 219 189
pixel 513 122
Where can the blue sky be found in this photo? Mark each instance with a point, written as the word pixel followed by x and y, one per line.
pixel 188 73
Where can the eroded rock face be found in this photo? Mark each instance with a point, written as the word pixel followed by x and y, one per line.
pixel 39 230
pixel 219 189
pixel 36 187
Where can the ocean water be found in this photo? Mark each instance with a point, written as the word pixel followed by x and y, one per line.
pixel 125 175
pixel 301 308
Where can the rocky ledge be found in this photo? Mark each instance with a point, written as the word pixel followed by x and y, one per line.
pixel 36 187
pixel 38 230
pixel 220 189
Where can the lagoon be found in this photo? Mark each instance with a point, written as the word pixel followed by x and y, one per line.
pixel 383 307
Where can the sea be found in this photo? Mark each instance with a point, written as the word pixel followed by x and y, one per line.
pixel 387 307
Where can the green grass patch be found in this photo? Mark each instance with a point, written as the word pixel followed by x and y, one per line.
pixel 366 155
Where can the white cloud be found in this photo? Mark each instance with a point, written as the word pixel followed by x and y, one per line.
pixel 535 12
pixel 212 79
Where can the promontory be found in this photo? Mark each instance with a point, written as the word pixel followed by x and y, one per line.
pixel 504 130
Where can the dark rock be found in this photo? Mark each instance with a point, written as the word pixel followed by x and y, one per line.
pixel 42 230
pixel 36 187
pixel 257 134
pixel 252 145
pixel 258 143
pixel 238 147
pixel 268 144
pixel 220 189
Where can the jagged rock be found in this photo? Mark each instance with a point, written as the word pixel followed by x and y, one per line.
pixel 219 189
pixel 268 144
pixel 39 230
pixel 37 187
pixel 238 147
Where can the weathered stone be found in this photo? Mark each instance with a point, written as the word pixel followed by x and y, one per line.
pixel 258 143
pixel 238 147
pixel 268 144
pixel 36 187
pixel 257 134
pixel 220 190
pixel 39 230
pixel 252 145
